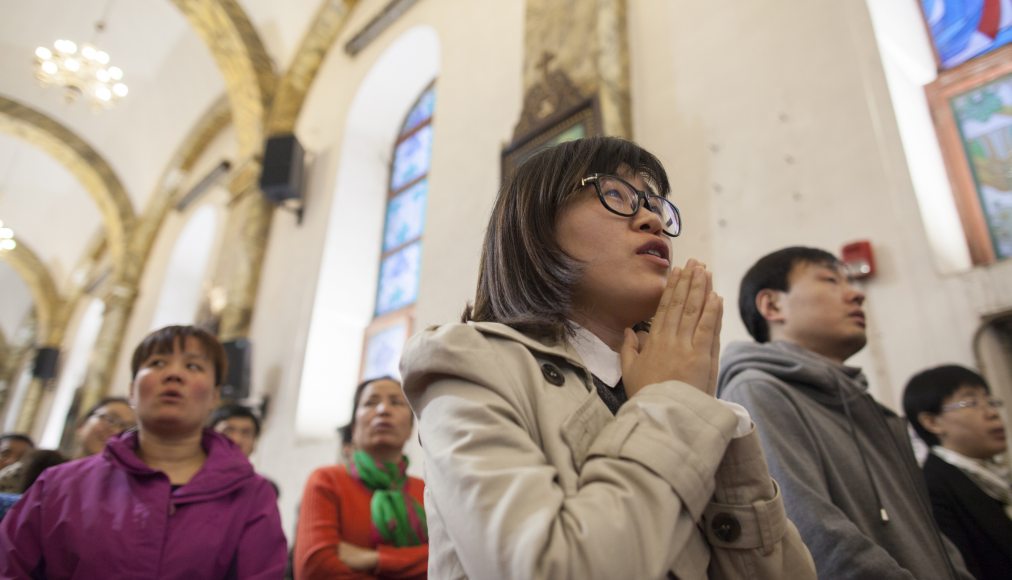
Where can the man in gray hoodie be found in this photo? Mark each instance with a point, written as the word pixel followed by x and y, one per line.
pixel 843 461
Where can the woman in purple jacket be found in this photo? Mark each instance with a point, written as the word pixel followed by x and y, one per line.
pixel 169 500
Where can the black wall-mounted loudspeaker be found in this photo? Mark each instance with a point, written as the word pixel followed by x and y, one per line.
pixel 281 176
pixel 46 360
pixel 237 380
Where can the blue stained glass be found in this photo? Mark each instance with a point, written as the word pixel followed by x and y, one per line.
pixel 383 352
pixel 398 285
pixel 411 159
pixel 422 111
pixel 405 216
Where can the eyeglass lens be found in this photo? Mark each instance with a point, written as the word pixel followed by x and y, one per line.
pixel 975 404
pixel 623 199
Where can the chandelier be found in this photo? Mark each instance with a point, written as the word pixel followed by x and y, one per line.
pixel 83 71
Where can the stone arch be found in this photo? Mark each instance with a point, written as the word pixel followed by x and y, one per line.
pixel 243 61
pixel 90 168
pixel 294 86
pixel 48 302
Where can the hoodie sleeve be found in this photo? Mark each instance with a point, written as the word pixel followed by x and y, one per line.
pixel 841 550
pixel 21 535
pixel 262 552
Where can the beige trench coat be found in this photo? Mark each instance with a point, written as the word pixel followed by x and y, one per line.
pixel 529 476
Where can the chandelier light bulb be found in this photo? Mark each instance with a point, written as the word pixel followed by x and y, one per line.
pixel 120 90
pixel 43 53
pixel 6 233
pixel 102 56
pixel 50 67
pixel 8 244
pixel 65 46
pixel 72 64
pixel 103 93
pixel 88 51
pixel 115 73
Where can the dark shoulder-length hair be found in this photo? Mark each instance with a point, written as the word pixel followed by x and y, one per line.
pixel 166 340
pixel 525 280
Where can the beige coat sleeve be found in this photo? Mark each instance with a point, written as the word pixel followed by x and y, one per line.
pixel 643 483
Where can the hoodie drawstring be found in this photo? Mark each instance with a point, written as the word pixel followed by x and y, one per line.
pixel 883 514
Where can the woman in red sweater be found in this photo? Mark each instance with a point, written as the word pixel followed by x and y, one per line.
pixel 366 520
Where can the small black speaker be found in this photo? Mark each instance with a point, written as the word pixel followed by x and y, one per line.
pixel 46 360
pixel 237 379
pixel 281 177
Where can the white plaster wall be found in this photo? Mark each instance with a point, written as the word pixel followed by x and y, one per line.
pixel 776 122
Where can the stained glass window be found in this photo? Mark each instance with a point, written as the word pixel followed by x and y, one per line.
pixel 412 157
pixel 963 29
pixel 398 281
pixel 383 351
pixel 405 216
pixel 422 110
pixel 404 224
pixel 984 118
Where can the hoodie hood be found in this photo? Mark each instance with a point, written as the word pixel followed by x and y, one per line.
pixel 823 380
pixel 225 469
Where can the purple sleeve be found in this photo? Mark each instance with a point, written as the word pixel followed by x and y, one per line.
pixel 21 535
pixel 263 551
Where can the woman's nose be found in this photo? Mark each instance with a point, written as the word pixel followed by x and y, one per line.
pixel 646 220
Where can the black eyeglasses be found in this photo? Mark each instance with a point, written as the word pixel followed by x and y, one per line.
pixel 619 197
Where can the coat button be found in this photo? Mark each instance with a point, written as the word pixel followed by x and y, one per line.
pixel 552 374
pixel 726 527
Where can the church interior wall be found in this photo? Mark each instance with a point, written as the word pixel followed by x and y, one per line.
pixel 768 149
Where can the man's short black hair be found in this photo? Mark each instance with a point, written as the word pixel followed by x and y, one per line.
pixel 226 412
pixel 771 272
pixel 926 390
pixel 17 437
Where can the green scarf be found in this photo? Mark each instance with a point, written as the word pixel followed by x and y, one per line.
pixel 391 517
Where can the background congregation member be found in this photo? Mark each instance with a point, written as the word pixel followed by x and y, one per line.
pixel 849 477
pixel 238 423
pixel 241 425
pixel 13 447
pixel 366 519
pixel 31 466
pixel 952 410
pixel 558 442
pixel 169 500
pixel 107 418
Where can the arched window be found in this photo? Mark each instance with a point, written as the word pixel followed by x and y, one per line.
pixel 401 255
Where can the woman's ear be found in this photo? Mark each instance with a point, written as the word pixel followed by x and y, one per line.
pixel 767 302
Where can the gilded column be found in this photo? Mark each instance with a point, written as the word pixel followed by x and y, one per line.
pixel 119 303
pixel 249 224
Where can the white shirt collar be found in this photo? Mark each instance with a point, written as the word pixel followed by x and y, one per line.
pixel 600 360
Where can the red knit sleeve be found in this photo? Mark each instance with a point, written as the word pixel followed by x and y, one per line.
pixel 319 530
pixel 409 562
